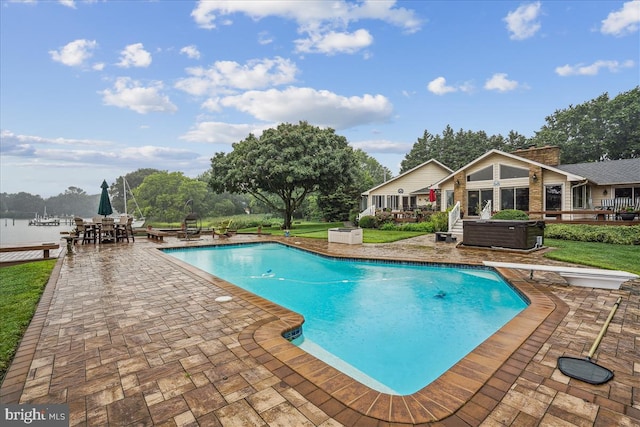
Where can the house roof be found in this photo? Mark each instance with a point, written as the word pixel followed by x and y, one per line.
pixel 434 161
pixel 610 172
pixel 569 174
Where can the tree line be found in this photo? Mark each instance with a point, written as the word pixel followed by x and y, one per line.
pixel 300 170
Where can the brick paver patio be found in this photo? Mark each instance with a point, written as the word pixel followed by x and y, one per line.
pixel 127 337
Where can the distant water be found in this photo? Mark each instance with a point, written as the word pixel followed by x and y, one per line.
pixel 19 231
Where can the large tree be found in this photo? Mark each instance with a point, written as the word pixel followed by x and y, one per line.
pixel 133 179
pixel 288 162
pixel 599 129
pixel 164 196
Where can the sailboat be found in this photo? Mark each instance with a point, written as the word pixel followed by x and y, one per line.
pixel 139 221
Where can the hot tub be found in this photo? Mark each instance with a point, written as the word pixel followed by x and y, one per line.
pixel 350 236
pixel 503 233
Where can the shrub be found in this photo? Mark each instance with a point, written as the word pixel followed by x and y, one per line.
pixel 512 214
pixel 426 227
pixel 368 222
pixel 440 221
pixel 384 216
pixel 618 235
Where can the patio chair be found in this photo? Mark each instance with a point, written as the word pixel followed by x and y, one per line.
pixel 107 230
pixel 84 232
pixel 121 229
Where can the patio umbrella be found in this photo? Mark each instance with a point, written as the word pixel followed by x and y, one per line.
pixel 104 208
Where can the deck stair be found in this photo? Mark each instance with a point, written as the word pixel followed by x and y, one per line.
pixel 456 229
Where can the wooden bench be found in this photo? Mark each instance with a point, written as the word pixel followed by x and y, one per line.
pixel 585 277
pixel 443 236
pixel 46 249
pixel 156 235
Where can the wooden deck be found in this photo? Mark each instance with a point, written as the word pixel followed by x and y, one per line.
pixel 589 217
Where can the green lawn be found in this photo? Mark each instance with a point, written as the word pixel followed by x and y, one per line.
pixel 601 255
pixel 20 290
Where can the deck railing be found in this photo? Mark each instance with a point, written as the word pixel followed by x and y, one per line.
pixel 370 211
pixel 454 215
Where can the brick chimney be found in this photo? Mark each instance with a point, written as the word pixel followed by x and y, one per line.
pixel 547 155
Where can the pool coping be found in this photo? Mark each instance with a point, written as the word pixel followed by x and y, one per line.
pixel 469 390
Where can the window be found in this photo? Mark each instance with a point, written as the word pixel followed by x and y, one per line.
pixel 507 172
pixel 553 198
pixel 623 192
pixel 477 199
pixel 514 198
pixel 378 201
pixel 393 202
pixel 485 174
pixel 581 196
pixel 449 198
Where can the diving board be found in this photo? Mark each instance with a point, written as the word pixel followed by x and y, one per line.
pixel 585 277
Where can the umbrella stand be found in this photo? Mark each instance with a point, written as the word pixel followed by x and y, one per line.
pixel 585 369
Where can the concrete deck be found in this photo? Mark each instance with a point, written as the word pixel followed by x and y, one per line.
pixel 127 336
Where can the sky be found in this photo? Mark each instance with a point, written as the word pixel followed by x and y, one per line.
pixel 92 90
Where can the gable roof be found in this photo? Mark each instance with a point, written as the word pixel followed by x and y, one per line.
pixel 609 172
pixel 434 161
pixel 570 175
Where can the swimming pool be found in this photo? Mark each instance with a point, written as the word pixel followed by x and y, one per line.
pixel 392 326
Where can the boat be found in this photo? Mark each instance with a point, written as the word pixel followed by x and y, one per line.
pixel 44 220
pixel 139 221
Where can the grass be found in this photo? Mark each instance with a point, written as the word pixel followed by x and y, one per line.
pixel 320 230
pixel 20 289
pixel 600 255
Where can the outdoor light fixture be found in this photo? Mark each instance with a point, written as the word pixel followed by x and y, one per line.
pixel 534 177
pixel 457 183
pixel 605 192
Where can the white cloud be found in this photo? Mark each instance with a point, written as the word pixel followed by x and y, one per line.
pixel 223 133
pixel 592 69
pixel 522 23
pixel 335 42
pixel 82 153
pixel 316 18
pixel 318 107
pixel 382 146
pixel 439 86
pixel 229 76
pixel 134 55
pixel 75 53
pixel 130 94
pixel 500 83
pixel 68 3
pixel 624 21
pixel 191 52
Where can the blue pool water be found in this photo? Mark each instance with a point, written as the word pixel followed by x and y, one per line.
pixel 395 327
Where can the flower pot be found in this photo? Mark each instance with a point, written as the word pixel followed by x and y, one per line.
pixel 627 216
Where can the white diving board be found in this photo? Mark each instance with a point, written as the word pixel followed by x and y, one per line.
pixel 585 277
